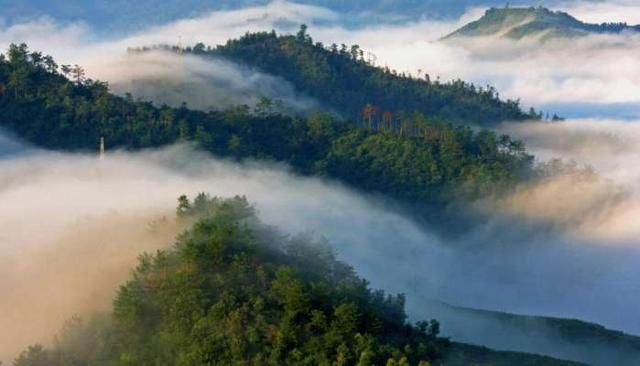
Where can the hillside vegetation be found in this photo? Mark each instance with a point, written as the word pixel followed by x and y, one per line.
pixel 233 291
pixel 427 161
pixel 346 80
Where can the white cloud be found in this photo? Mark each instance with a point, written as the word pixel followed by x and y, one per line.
pixel 597 70
pixel 168 78
pixel 203 83
pixel 82 220
pixel 603 11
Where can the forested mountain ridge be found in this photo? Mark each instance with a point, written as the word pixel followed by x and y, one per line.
pixel 345 79
pixel 564 338
pixel 233 291
pixel 429 162
pixel 518 23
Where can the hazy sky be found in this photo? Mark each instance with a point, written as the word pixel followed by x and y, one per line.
pixel 604 83
pixel 115 16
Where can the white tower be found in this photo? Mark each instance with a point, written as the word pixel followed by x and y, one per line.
pixel 101 147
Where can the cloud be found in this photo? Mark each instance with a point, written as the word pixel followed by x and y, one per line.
pixel 72 225
pixel 77 42
pixel 603 205
pixel 603 11
pixel 563 246
pixel 597 70
pixel 594 73
pixel 165 77
pixel 162 77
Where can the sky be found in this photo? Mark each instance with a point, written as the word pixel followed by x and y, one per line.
pixel 604 83
pixel 116 16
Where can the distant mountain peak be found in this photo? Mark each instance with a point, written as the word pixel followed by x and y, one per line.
pixel 523 22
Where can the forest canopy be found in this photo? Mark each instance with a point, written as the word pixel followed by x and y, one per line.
pixel 233 291
pixel 347 79
pixel 236 292
pixel 422 160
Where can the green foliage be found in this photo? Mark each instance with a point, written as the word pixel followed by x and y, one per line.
pixel 422 159
pixel 347 80
pixel 79 343
pixel 235 292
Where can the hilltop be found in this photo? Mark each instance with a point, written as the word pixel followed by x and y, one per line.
pixel 347 80
pixel 234 291
pixel 519 23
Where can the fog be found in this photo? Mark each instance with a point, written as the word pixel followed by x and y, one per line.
pixel 606 204
pixel 603 11
pixel 564 245
pixel 547 76
pixel 165 77
pixel 72 226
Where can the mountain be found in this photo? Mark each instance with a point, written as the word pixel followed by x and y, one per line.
pixel 419 160
pixel 233 291
pixel 519 23
pixel 569 339
pixel 41 105
pixel 345 79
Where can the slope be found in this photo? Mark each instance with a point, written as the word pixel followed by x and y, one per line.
pixel 421 160
pixel 569 339
pixel 236 292
pixel 520 23
pixel 346 80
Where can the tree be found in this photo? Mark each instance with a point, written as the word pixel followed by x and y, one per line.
pixel 67 115
pixel 224 295
pixel 66 70
pixel 183 206
pixel 264 107
pixel 34 356
pixel 302 35
pixel 78 74
pixel 199 48
pixel 18 54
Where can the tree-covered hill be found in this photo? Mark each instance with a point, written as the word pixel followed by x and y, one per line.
pixel 424 161
pixel 570 339
pixel 346 80
pixel 519 22
pixel 233 291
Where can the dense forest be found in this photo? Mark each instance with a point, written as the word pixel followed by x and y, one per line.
pixel 428 162
pixel 233 291
pixel 346 79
